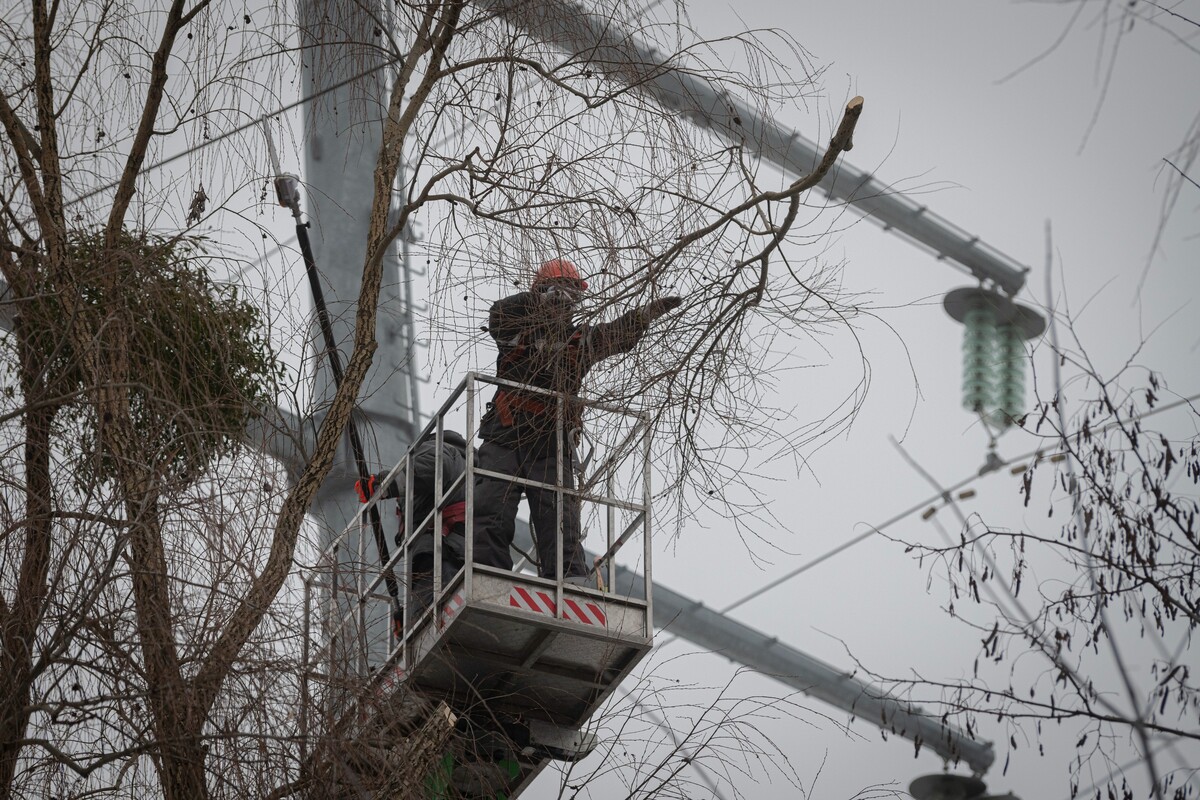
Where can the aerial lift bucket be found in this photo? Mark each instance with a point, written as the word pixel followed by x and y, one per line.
pixel 506 666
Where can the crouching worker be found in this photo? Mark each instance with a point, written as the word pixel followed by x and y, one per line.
pixel 540 344
pixel 424 467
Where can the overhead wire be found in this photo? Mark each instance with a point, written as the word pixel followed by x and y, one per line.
pixel 874 529
pixel 942 495
pixel 262 118
pixel 257 121
pixel 1030 624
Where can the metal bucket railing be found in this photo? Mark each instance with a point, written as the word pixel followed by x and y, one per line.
pixel 348 632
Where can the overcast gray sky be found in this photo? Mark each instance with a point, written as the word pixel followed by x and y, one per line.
pixel 998 158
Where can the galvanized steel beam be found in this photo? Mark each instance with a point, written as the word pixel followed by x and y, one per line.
pixel 604 45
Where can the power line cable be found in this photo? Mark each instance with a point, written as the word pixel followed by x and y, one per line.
pixel 874 529
pixel 261 119
pixel 233 131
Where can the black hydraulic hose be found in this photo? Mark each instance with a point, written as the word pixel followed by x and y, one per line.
pixel 335 363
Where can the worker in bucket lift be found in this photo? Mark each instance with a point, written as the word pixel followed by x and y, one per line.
pixel 424 467
pixel 540 344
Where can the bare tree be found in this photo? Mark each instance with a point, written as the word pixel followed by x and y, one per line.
pixel 516 150
pixel 1060 611
pixel 87 296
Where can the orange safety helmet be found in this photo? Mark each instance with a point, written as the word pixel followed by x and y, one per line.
pixel 556 269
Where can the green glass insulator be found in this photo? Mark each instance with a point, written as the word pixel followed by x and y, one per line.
pixel 979 356
pixel 1010 373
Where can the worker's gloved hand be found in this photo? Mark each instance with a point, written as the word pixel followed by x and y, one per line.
pixel 365 492
pixel 663 305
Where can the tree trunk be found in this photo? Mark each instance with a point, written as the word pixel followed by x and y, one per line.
pixel 178 721
pixel 19 624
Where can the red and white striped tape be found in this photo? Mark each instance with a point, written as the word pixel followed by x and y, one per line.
pixel 450 608
pixel 384 687
pixel 543 603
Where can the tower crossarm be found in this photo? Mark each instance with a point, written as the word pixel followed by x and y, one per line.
pixel 716 632
pixel 616 52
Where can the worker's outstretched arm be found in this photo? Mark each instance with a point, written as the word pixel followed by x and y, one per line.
pixel 624 332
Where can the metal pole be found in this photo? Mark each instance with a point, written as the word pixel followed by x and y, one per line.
pixel 287 190
pixel 305 698
pixel 469 481
pixel 438 499
pixel 345 90
pixel 407 327
pixel 559 432
pixel 611 519
pixel 724 636
pixel 647 549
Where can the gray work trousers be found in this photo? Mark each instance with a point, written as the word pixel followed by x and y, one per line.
pixel 496 508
